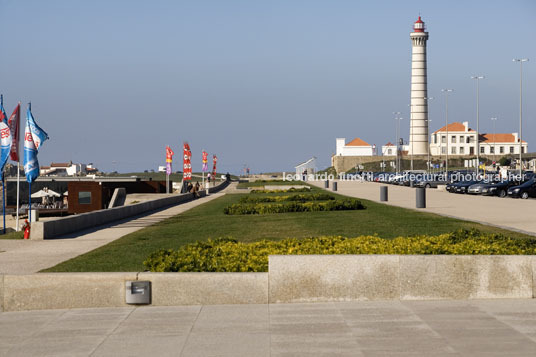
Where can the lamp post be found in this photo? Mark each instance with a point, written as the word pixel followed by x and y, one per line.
pixel 429 140
pixel 478 78
pixel 428 125
pixel 397 125
pixel 520 60
pixel 493 120
pixel 447 91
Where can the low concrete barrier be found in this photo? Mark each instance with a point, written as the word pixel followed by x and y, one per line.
pixel 170 289
pixel 64 225
pixel 308 278
pixel 291 278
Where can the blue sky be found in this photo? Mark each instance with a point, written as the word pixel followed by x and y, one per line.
pixel 266 84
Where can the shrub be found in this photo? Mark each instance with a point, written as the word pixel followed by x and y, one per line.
pixel 298 198
pixel 228 255
pixel 313 206
pixel 292 189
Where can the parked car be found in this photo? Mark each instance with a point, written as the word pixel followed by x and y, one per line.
pixel 525 190
pixel 432 181
pixel 495 188
pixel 460 187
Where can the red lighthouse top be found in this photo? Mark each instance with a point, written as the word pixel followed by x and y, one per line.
pixel 419 25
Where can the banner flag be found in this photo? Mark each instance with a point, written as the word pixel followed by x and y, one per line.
pixel 34 137
pixel 205 161
pixel 214 161
pixel 169 160
pixel 187 162
pixel 5 137
pixel 14 128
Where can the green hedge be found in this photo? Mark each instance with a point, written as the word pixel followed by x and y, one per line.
pixel 314 206
pixel 294 198
pixel 292 189
pixel 228 255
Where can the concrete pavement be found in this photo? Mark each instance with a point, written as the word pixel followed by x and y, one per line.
pixel 509 213
pixel 31 256
pixel 419 328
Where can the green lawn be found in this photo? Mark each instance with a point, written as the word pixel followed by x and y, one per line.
pixel 261 183
pixel 208 221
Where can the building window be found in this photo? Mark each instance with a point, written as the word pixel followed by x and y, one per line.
pixel 84 198
pixel 434 139
pixel 462 150
pixel 443 139
pixel 453 150
pixel 522 149
pixel 511 149
pixel 453 139
pixel 443 150
pixel 461 139
pixel 389 151
pixel 501 150
pixel 470 139
pixel 482 149
pixel 492 150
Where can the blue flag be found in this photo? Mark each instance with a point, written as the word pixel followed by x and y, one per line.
pixel 34 137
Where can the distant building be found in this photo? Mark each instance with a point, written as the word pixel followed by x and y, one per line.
pixel 67 169
pixel 462 142
pixel 161 169
pixel 389 149
pixel 501 144
pixel 356 147
pixel 306 168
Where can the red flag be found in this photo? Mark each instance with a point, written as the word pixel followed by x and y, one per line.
pixel 14 126
pixel 187 163
pixel 214 161
pixel 169 154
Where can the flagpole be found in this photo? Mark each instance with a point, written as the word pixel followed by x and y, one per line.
pixel 18 192
pixel 30 202
pixel 4 201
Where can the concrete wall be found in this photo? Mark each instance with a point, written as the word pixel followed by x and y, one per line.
pixel 64 225
pixel 292 278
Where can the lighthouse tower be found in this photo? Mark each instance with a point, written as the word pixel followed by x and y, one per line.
pixel 418 132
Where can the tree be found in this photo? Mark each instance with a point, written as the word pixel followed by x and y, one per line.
pixel 505 161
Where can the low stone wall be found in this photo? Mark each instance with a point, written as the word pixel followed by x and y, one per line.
pixel 64 225
pixel 312 278
pixel 291 279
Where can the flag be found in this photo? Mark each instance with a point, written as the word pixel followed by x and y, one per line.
pixel 205 161
pixel 214 160
pixel 5 137
pixel 34 137
pixel 187 162
pixel 14 127
pixel 169 159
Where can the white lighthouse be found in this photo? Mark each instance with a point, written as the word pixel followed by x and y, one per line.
pixel 418 132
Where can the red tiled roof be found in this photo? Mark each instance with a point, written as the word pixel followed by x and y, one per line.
pixel 60 164
pixel 389 144
pixel 499 138
pixel 358 142
pixel 454 127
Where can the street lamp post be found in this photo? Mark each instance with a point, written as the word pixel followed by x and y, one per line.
pixel 428 121
pixel 478 78
pixel 429 140
pixel 520 60
pixel 447 91
pixel 397 125
pixel 493 120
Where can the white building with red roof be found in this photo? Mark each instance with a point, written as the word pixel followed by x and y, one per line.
pixel 356 147
pixel 460 140
pixel 389 149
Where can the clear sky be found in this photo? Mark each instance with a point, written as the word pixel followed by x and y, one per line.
pixel 263 83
